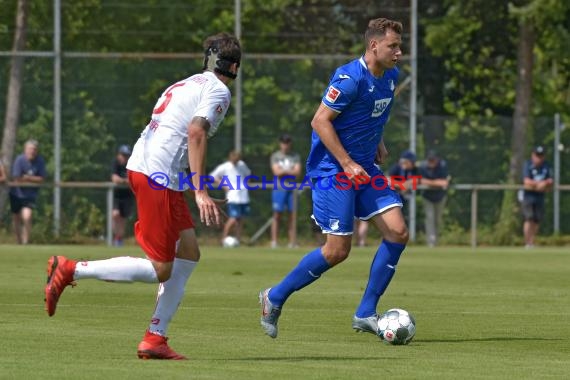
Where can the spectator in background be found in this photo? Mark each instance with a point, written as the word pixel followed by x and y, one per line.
pixel 231 176
pixel 537 180
pixel 361 228
pixel 123 198
pixel 284 163
pixel 29 167
pixel 434 174
pixel 405 169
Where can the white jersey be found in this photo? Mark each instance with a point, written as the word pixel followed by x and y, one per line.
pixel 235 175
pixel 161 151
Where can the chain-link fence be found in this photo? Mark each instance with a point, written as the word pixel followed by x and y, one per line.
pixel 107 99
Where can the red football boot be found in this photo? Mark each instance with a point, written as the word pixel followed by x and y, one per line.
pixel 60 272
pixel 154 346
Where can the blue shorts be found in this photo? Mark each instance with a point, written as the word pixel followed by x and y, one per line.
pixel 336 204
pixel 238 210
pixel 282 199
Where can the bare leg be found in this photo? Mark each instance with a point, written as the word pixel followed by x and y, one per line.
pixel 228 227
pixel 275 228
pixel 239 228
pixel 26 224
pixel 118 225
pixel 528 232
pixel 362 233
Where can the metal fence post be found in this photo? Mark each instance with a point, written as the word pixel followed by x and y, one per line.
pixel 474 218
pixel 412 216
pixel 109 215
pixel 296 213
pixel 556 200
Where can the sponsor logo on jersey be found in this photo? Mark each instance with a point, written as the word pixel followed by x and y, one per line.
pixel 380 106
pixel 332 94
pixel 343 76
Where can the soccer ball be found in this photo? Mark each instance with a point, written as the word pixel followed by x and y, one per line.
pixel 396 326
pixel 230 242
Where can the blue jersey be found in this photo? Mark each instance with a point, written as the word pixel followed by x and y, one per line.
pixel 363 103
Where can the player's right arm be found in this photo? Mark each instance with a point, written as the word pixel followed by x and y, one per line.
pixel 342 90
pixel 322 125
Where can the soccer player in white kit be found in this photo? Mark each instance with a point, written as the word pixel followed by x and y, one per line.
pixel 187 113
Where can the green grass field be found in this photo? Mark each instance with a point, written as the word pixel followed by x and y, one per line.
pixel 490 313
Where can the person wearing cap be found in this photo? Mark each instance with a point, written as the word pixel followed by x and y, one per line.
pixel 434 174
pixel 537 180
pixel 403 171
pixel 284 162
pixel 29 167
pixel 123 198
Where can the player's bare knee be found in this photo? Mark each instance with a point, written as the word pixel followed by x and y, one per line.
pixel 401 235
pixel 335 253
pixel 163 273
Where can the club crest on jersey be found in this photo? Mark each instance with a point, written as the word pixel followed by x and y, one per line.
pixel 334 224
pixel 219 109
pixel 332 94
pixel 380 106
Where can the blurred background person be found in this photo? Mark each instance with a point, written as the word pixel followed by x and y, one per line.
pixel 404 169
pixel 3 175
pixel 537 180
pixel 284 162
pixel 232 173
pixel 361 229
pixel 28 167
pixel 123 198
pixel 435 175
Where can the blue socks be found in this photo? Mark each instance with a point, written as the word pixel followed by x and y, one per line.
pixel 307 271
pixel 381 272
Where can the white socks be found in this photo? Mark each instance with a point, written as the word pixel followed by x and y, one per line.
pixel 170 294
pixel 119 269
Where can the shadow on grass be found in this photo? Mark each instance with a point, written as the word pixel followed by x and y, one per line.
pixel 489 339
pixel 307 358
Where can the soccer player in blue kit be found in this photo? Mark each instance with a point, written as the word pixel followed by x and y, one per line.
pixel 346 143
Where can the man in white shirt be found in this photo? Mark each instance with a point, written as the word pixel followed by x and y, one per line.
pixel 231 177
pixel 187 113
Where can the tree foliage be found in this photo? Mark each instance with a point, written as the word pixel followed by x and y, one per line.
pixel 467 72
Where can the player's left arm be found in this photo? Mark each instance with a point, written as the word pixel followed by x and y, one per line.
pixel 197 148
pixel 381 152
